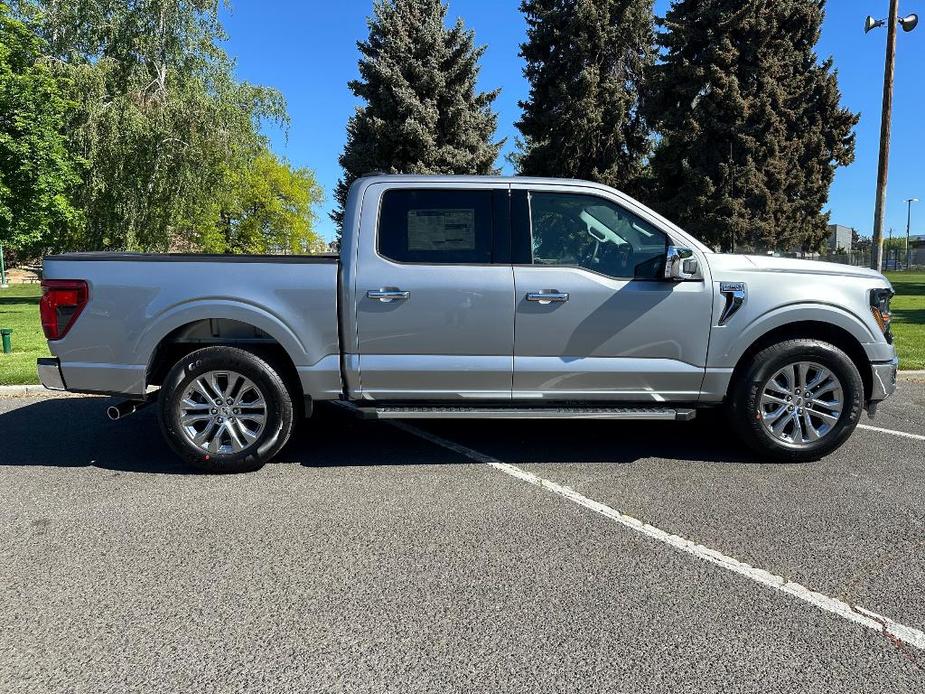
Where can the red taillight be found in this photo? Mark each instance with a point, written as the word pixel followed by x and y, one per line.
pixel 62 302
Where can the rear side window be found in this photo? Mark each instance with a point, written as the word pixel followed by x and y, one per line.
pixel 436 226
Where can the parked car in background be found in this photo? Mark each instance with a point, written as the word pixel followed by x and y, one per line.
pixel 474 297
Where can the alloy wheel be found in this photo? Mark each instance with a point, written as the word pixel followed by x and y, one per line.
pixel 222 412
pixel 801 403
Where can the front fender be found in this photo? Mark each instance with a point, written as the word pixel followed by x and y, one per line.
pixel 729 342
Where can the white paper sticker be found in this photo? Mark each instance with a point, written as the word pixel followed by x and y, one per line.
pixel 441 230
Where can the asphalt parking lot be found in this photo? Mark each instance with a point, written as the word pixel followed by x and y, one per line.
pixel 374 558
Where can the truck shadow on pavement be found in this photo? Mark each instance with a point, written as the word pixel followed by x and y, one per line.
pixel 74 432
pixel 566 441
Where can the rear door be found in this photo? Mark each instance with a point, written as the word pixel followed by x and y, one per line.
pixel 435 295
pixel 595 318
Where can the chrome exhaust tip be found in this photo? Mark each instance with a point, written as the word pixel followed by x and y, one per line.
pixel 123 409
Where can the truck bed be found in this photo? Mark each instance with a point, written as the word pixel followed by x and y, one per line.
pixel 140 303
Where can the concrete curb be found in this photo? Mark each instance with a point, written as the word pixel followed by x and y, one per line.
pixel 23 391
pixel 37 391
pixel 912 376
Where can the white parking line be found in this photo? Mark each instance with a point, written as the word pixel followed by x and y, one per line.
pixel 853 613
pixel 905 434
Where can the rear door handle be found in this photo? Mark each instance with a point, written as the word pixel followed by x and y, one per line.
pixel 548 296
pixel 387 295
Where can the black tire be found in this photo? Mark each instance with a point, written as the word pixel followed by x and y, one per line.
pixel 745 409
pixel 277 426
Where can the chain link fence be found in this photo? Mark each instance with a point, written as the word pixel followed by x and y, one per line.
pixel 894 259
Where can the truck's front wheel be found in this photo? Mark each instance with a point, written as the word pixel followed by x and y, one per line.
pixel 223 409
pixel 797 400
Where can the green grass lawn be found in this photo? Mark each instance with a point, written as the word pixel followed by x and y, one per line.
pixel 19 310
pixel 908 307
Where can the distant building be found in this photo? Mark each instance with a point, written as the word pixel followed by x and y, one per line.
pixel 840 237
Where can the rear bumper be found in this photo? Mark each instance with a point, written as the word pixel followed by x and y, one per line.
pixel 49 369
pixel 884 379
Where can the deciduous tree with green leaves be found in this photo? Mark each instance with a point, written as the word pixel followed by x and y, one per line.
pixel 587 62
pixel 422 112
pixel 162 122
pixel 37 172
pixel 265 207
pixel 750 123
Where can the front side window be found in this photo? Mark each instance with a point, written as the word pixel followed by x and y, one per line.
pixel 436 226
pixel 595 234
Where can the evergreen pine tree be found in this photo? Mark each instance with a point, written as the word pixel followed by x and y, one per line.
pixel 586 64
pixel 751 128
pixel 422 113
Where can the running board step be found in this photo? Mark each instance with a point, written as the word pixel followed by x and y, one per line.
pixel 631 413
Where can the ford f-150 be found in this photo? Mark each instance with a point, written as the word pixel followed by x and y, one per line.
pixel 473 297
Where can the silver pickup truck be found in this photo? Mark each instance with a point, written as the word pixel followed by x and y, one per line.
pixel 474 297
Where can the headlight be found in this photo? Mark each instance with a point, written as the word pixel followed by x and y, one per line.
pixel 880 307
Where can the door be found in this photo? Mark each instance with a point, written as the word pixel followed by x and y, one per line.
pixel 595 318
pixel 435 299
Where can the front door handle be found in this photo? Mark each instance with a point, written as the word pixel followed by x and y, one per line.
pixel 387 295
pixel 548 296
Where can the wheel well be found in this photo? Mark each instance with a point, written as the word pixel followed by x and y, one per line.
pixel 812 330
pixel 220 332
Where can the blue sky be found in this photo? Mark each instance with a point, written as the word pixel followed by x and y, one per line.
pixel 307 50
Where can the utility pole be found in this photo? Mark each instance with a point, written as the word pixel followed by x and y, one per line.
pixel 876 250
pixel 908 24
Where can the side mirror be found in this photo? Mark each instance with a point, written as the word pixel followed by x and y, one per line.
pixel 681 265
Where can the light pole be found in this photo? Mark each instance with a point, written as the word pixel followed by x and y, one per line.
pixel 3 284
pixel 908 24
pixel 909 202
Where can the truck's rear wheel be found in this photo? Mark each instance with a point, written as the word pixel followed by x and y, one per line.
pixel 797 400
pixel 223 409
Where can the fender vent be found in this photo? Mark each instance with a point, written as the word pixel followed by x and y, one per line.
pixel 736 293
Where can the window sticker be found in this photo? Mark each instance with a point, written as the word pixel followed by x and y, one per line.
pixel 441 230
